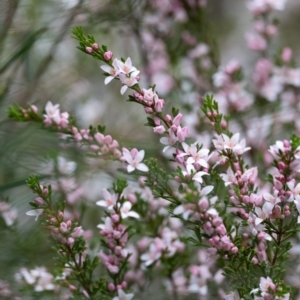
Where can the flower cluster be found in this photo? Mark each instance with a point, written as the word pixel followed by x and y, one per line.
pixel 208 197
pixel 38 278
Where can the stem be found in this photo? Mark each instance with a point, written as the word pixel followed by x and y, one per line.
pixel 279 242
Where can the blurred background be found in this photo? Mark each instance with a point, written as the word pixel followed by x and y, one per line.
pixel 39 62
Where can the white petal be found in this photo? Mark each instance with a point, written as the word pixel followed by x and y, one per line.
pixel 130 168
pixel 142 167
pixel 108 79
pixel 106 68
pixel 140 156
pixel 101 203
pixel 133 214
pixel 123 89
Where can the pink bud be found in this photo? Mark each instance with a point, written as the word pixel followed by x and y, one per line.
pixel 287 54
pixel 111 287
pixel 107 139
pixel 61 215
pixel 115 218
pixel 177 119
pixel 89 49
pixel 254 260
pixel 95 46
pixel 203 204
pixel 72 288
pixel 63 227
pixel 173 128
pixel 94 148
pixel 70 241
pixel 159 104
pixel 168 118
pixel 34 108
pixel 286 144
pixel 234 250
pixel 224 124
pixel 132 198
pixel 156 121
pixel 108 55
pixel 159 129
pixel 39 201
pixel 148 110
pixel 246 199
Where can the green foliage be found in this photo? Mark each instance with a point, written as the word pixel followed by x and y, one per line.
pixel 119 186
pixel 158 181
pixel 295 141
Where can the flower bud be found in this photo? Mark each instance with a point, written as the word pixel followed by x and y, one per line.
pixel 89 50
pixel 108 55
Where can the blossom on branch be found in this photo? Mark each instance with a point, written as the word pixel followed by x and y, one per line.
pixel 134 159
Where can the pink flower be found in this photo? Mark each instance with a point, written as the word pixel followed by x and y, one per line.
pixel 134 158
pixel 256 42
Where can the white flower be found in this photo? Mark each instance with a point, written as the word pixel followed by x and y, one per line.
pixel 153 255
pixel 200 157
pixel 170 140
pixel 297 152
pixel 123 296
pixel 224 142
pixel 126 67
pixel 229 177
pixel 39 277
pixel 295 191
pixel 35 213
pixel 191 171
pixel 272 199
pixel 107 226
pixel 264 212
pixel 10 216
pixel 276 149
pixel 125 211
pixel 113 71
pixel 128 80
pixel 52 112
pixel 297 203
pixel 64 166
pixel 109 200
pixel 197 285
pixel 233 296
pixel 265 284
pixel 134 158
